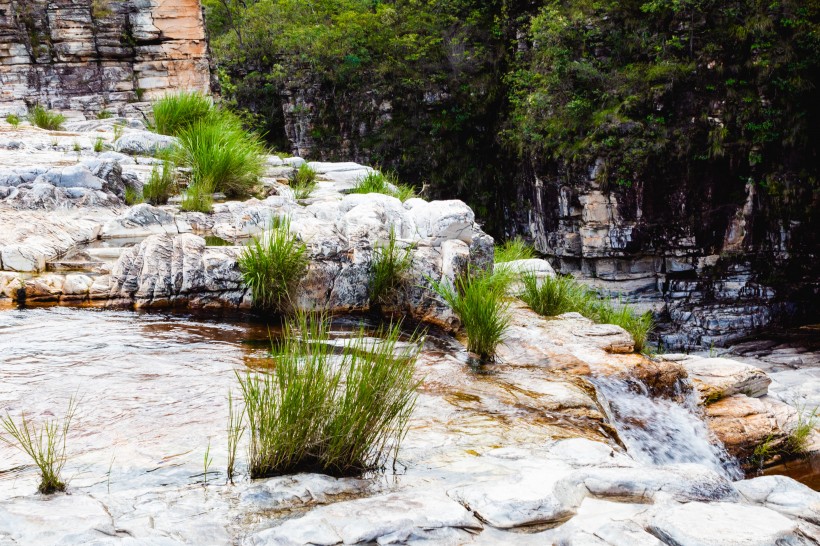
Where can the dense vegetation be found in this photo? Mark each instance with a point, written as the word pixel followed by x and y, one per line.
pixel 471 95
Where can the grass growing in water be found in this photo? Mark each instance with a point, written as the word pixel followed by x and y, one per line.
pixel 272 266
pixel 513 249
pixel 236 430
pixel 46 119
pixel 389 268
pixel 556 295
pixel 387 184
pixel 198 198
pixel 45 444
pixel 13 120
pixel 222 154
pixel 175 112
pixel 318 411
pixel 303 182
pixel 161 184
pixel 479 298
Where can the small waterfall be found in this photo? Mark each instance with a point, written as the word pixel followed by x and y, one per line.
pixel 662 431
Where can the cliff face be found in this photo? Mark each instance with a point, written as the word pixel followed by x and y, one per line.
pixel 89 55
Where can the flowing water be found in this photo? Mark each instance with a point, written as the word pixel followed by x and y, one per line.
pixel 661 431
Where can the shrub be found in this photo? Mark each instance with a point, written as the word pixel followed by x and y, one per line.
pixel 105 114
pixel 45 444
pixel 389 268
pixel 46 119
pixel 99 144
pixel 13 120
pixel 161 184
pixel 479 299
pixel 320 412
pixel 387 184
pixel 513 249
pixel 222 154
pixel 303 181
pixel 272 266
pixel 556 295
pixel 198 198
pixel 173 113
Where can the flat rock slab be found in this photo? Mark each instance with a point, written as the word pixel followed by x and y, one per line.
pixel 783 495
pixel 717 378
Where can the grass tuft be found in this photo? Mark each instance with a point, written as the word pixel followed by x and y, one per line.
pixel 387 184
pixel 318 411
pixel 797 443
pixel 132 196
pixel 272 266
pixel 176 112
pixel 198 198
pixel 46 119
pixel 44 444
pixel 161 184
pixel 513 249
pixel 479 299
pixel 99 144
pixel 13 120
pixel 105 114
pixel 236 430
pixel 388 270
pixel 556 295
pixel 303 182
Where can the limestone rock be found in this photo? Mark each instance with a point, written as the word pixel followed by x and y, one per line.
pixel 143 220
pixel 743 423
pixel 717 378
pixel 783 495
pixel 144 143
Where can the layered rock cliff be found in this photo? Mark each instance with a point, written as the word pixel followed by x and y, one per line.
pixel 90 55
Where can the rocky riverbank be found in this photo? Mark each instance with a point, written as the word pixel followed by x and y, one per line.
pixel 570 438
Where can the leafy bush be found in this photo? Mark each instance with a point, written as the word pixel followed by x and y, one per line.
pixel 198 198
pixel 46 119
pixel 44 444
pixel 222 154
pixel 387 184
pixel 514 249
pixel 173 113
pixel 319 412
pixel 161 184
pixel 479 298
pixel 389 268
pixel 303 181
pixel 556 295
pixel 13 120
pixel 272 266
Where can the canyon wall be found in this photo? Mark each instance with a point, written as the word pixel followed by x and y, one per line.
pixel 91 55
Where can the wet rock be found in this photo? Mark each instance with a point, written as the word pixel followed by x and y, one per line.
pixel 44 288
pixel 144 143
pixel 301 490
pixel 717 378
pixel 397 518
pixel 10 284
pixel 784 495
pixel 707 524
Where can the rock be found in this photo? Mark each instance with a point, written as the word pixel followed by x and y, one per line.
pixel 21 257
pixel 411 516
pixel 784 495
pixel 707 524
pixel 743 423
pixel 44 288
pixel 75 176
pixel 717 378
pixel 10 284
pixel 77 285
pixel 442 220
pixel 144 143
pixel 537 267
pixel 55 519
pixel 300 490
pixel 143 220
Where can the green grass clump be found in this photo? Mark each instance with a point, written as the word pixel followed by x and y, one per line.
pixel 99 144
pixel 556 295
pixel 105 114
pixel 198 198
pixel 377 182
pixel 388 270
pixel 272 266
pixel 46 119
pixel 221 153
pixel 318 411
pixel 173 113
pixel 13 120
pixel 303 181
pixel 132 196
pixel 797 443
pixel 513 249
pixel 479 298
pixel 44 444
pixel 161 184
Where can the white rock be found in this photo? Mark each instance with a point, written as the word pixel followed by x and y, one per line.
pixel 784 495
pixel 141 221
pixel 77 285
pixel 144 143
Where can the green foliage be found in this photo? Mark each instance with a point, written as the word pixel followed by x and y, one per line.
pixel 552 296
pixel 272 266
pixel 316 411
pixel 175 112
pixel 389 268
pixel 479 299
pixel 118 130
pixel 387 184
pixel 236 429
pixel 221 154
pixel 198 197
pixel 132 196
pixel 46 119
pixel 161 184
pixel 44 444
pixel 105 114
pixel 76 147
pixel 13 120
pixel 303 181
pixel 513 249
pixel 99 144
pixel 797 443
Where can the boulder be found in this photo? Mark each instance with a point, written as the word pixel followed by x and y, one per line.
pixel 717 378
pixel 143 220
pixel 743 423
pixel 144 143
pixel 782 494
